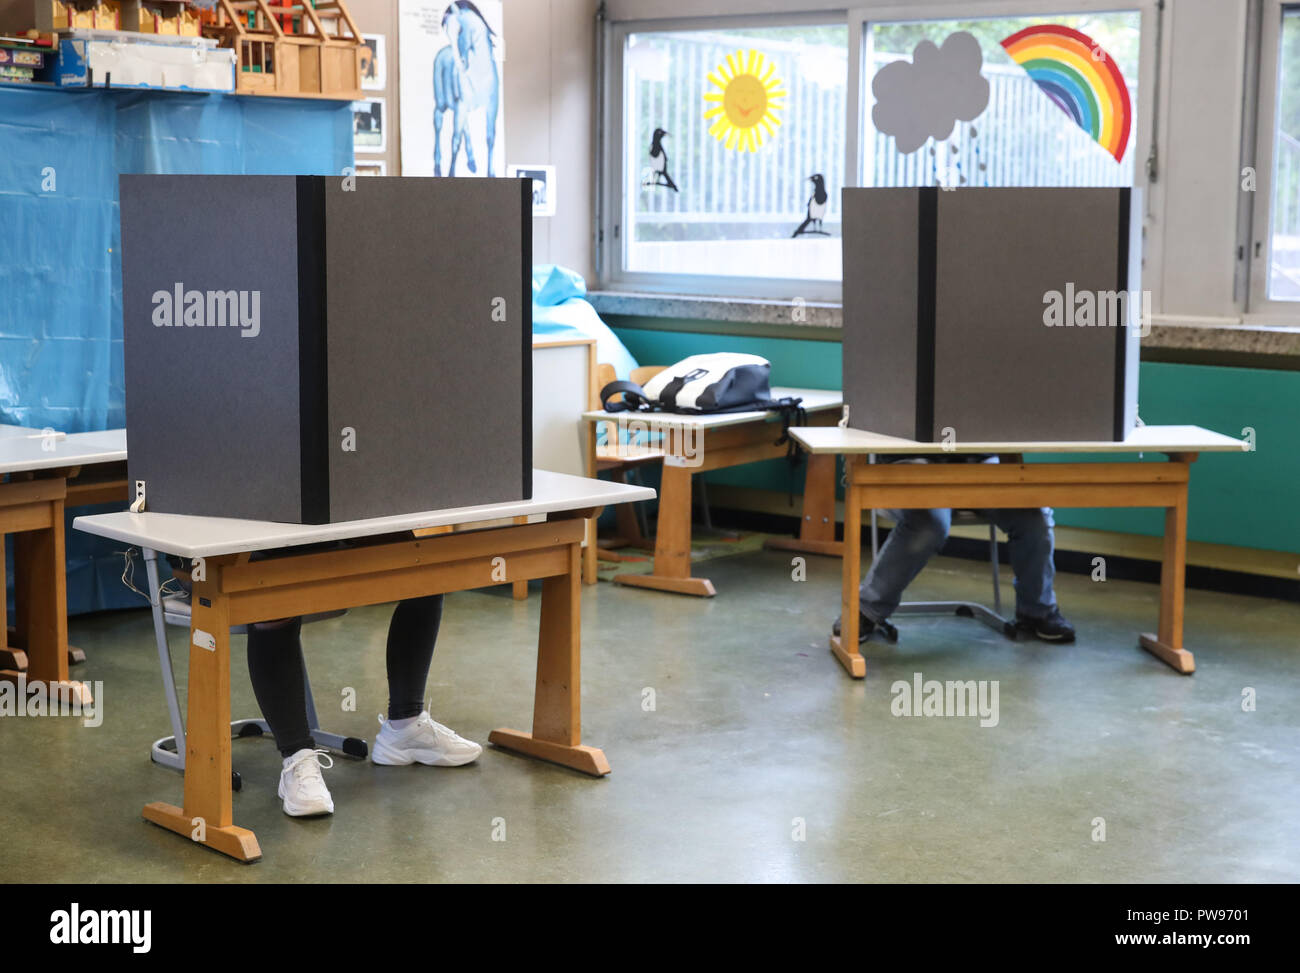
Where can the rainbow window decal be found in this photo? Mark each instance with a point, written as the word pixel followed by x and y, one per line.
pixel 1081 78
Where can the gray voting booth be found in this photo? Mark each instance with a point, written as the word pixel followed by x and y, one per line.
pixel 307 349
pixel 1007 315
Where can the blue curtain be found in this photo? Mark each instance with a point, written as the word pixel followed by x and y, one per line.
pixel 60 277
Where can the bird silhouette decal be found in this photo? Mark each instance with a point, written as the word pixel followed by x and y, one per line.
pixel 816 209
pixel 659 161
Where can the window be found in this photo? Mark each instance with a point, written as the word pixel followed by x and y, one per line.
pixel 720 133
pixel 1057 105
pixel 1283 266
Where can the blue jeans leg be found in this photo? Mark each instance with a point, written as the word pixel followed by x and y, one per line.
pixel 917 534
pixel 1032 543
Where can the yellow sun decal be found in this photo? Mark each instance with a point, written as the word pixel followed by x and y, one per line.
pixel 747 102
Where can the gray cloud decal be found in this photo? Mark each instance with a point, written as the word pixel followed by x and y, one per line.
pixel 925 97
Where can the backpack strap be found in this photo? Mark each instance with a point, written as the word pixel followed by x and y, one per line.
pixel 792 413
pixel 634 398
pixel 668 397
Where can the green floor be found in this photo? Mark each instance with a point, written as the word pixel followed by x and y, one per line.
pixel 754 728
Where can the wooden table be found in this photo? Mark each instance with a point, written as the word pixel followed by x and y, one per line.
pixel 1014 483
pixel 564 386
pixel 697 444
pixel 399 557
pixel 40 469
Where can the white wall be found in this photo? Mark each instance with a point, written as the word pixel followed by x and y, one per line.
pixel 549 107
pixel 550 113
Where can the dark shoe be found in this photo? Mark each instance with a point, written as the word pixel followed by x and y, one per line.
pixel 866 627
pixel 1050 628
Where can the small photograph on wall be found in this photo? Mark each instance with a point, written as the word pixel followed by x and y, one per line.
pixel 451 54
pixel 368 130
pixel 543 178
pixel 374 63
pixel 370 167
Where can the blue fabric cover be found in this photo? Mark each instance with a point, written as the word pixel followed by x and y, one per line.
pixel 560 306
pixel 60 272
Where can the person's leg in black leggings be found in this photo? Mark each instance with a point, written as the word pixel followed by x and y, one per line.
pixel 275 668
pixel 276 671
pixel 412 634
pixel 410 734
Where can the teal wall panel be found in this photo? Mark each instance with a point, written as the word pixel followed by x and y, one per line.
pixel 1247 499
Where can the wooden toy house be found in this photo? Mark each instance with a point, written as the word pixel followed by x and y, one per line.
pixel 338 49
pixel 56 15
pixel 178 18
pixel 167 17
pixel 291 49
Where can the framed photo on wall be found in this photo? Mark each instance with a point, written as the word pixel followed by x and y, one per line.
pixel 374 63
pixel 543 178
pixel 369 133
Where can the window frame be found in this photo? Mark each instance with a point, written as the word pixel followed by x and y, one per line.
pixel 611 192
pixel 1139 139
pixel 611 273
pixel 1260 308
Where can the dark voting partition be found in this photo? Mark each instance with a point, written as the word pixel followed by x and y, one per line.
pixel 1007 315
pixel 313 349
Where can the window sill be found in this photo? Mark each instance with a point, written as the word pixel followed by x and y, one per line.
pixel 733 310
pixel 1227 341
pixel 1231 336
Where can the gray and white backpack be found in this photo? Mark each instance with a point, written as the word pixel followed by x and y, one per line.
pixel 701 385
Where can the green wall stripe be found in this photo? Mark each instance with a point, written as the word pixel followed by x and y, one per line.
pixel 1245 500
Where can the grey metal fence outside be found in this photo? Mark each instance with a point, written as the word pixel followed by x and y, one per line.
pixel 722 186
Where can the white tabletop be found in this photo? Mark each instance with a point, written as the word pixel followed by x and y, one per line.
pixel 1144 439
pixel 814 400
pixel 23 453
pixel 210 536
pixel 8 431
pixel 111 440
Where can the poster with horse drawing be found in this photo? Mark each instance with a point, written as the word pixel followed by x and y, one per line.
pixel 450 56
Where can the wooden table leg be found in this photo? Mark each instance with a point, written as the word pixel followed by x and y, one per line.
pixel 13 641
pixel 628 527
pixel 13 660
pixel 519 589
pixel 557 704
pixel 11 654
pixel 672 568
pixel 845 647
pixel 207 816
pixel 41 607
pixel 1167 644
pixel 589 552
pixel 817 528
pixel 627 531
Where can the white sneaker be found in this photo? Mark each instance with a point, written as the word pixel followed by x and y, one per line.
pixel 301 785
pixel 424 741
